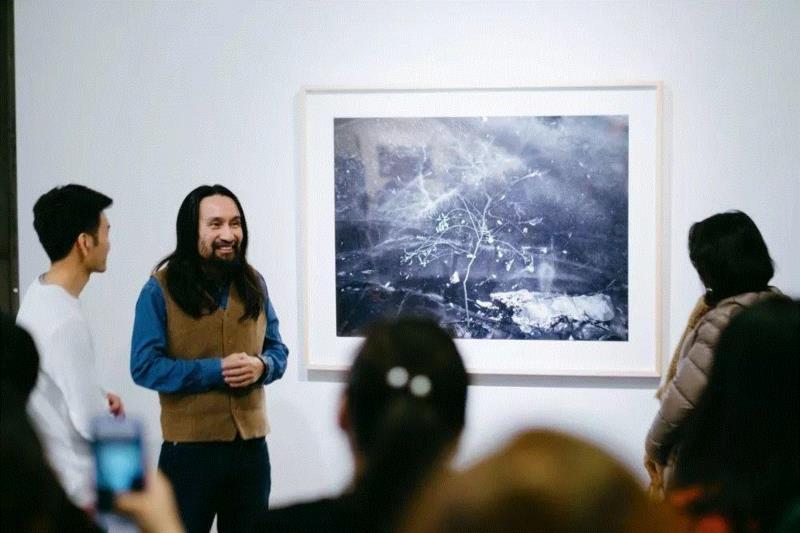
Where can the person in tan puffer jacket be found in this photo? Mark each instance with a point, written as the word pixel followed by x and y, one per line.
pixel 733 262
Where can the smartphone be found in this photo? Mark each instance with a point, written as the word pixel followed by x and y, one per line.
pixel 118 457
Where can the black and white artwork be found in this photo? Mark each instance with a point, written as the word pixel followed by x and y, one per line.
pixel 499 227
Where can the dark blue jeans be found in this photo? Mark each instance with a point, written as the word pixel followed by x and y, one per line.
pixel 228 479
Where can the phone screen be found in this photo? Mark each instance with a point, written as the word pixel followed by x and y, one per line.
pixel 118 466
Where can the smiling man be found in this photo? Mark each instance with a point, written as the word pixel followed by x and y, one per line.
pixel 206 338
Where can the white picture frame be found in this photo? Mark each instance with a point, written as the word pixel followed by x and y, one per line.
pixel 639 354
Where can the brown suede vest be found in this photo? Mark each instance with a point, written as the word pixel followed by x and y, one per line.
pixel 216 415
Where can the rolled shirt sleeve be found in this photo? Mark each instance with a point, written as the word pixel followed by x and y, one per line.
pixel 151 366
pixel 275 353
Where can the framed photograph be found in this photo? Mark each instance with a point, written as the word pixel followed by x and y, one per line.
pixel 526 221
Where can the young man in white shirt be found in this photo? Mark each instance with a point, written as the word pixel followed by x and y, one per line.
pixel 73 230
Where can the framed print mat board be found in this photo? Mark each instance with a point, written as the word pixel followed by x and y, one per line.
pixel 526 221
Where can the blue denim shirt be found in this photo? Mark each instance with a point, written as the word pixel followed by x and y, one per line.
pixel 151 367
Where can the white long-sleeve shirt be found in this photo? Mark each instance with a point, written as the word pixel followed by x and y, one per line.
pixel 67 393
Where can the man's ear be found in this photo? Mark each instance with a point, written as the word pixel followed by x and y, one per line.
pixel 84 243
pixel 343 417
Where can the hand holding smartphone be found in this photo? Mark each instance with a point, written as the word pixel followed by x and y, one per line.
pixel 120 473
pixel 119 458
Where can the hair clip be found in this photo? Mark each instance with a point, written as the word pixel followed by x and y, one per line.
pixel 419 386
pixel 397 377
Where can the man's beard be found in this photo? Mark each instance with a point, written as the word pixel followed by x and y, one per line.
pixel 219 270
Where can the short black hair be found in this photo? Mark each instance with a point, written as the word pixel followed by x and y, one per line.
pixel 63 213
pixel 730 255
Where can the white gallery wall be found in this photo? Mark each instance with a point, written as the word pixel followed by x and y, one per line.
pixel 146 100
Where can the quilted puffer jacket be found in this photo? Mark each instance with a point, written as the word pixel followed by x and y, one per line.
pixel 691 377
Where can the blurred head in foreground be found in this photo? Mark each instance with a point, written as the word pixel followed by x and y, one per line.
pixel 403 411
pixel 543 481
pixel 32 499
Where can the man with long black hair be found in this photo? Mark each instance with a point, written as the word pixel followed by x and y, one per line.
pixel 206 338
